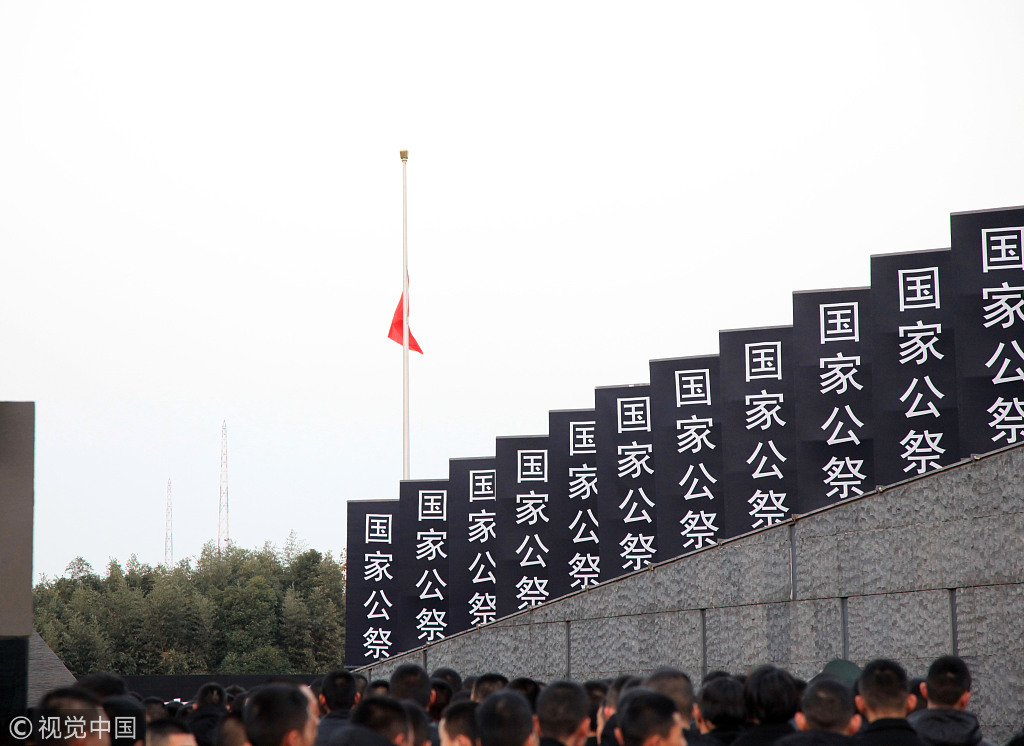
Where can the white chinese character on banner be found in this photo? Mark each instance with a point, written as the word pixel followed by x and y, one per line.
pixel 433 505
pixel 49 728
pixel 1007 419
pixel 921 339
pixel 481 484
pixel 584 569
pixel 1006 307
pixel 530 508
pixel 430 545
pixel 693 387
pixel 844 476
pixel 585 526
pixel 698 529
pixel 763 410
pixel 633 460
pixel 696 488
pixel 531 591
pixel 763 360
pixel 693 434
pixel 102 725
pixel 634 503
pixel 919 288
pixel 636 551
pixel 533 466
pixel 124 727
pixel 1001 249
pixel 634 414
pixel 378 528
pixel 431 587
pixel 850 437
pixel 532 555
pixel 380 605
pixel 767 508
pixel 759 470
pixel 481 526
pixel 377 643
pixel 915 410
pixel 482 567
pixel 839 373
pixel 922 451
pixel 483 607
pixel 1005 363
pixel 74 727
pixel 840 322
pixel 377 566
pixel 582 481
pixel 581 438
pixel 431 624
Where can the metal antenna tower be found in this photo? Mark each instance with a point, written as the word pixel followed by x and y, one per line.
pixel 223 534
pixel 169 532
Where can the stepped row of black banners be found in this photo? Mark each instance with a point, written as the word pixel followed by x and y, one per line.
pixel 868 387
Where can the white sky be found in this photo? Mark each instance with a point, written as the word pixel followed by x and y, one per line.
pixel 200 220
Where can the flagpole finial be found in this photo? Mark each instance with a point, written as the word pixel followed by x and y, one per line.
pixel 404 154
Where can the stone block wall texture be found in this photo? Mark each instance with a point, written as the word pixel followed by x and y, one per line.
pixel 930 566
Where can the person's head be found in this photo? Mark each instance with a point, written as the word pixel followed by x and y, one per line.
pixel 339 691
pixel 120 709
pixel 528 688
pixel 616 691
pixel 67 702
pixel 596 690
pixel 720 705
pixel 450 675
pixel 504 718
pixel 211 693
pixel 378 688
pixel 231 730
pixel 103 685
pixel 458 724
pixel 361 683
pixel 410 681
pixel 882 690
pixel 948 683
pixel 827 705
pixel 675 684
pixel 563 712
pixel 442 698
pixel 169 732
pixel 917 689
pixel 770 695
pixel 487 684
pixel 419 727
pixel 155 709
pixel 648 718
pixel 383 715
pixel 281 714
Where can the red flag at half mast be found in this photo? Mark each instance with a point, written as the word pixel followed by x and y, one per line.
pixel 396 329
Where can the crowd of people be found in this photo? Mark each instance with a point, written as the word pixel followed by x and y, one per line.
pixel 842 706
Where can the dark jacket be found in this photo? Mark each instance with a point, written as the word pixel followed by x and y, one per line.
pixel 763 735
pixel 719 737
pixel 947 727
pixel 330 724
pixel 887 732
pixel 203 722
pixel 358 735
pixel 814 738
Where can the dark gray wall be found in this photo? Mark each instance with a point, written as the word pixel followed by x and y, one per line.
pixel 931 566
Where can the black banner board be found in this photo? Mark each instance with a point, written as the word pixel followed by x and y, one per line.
pixel 686 417
pixel 573 477
pixel 988 289
pixel 758 428
pixel 473 536
pixel 835 453
pixel 372 590
pixel 423 557
pixel 534 528
pixel 625 471
pixel 913 364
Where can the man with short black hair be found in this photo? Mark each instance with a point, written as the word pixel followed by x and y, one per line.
pixel 647 718
pixel 281 715
pixel 487 684
pixel 73 704
pixel 504 719
pixel 771 697
pixel 339 692
pixel 884 700
pixel 676 685
pixel 458 724
pixel 720 713
pixel 563 714
pixel 169 732
pixel 827 716
pixel 946 721
pixel 384 716
pixel 211 704
pixel 410 681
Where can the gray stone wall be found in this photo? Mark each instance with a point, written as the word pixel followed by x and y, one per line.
pixel 931 566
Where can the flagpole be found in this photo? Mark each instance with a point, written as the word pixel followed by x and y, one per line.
pixel 405 326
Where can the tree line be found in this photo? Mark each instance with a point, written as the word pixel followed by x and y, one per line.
pixel 233 611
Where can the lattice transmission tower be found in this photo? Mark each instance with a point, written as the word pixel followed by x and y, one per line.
pixel 223 534
pixel 169 532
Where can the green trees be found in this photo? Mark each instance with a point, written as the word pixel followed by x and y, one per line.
pixel 234 611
